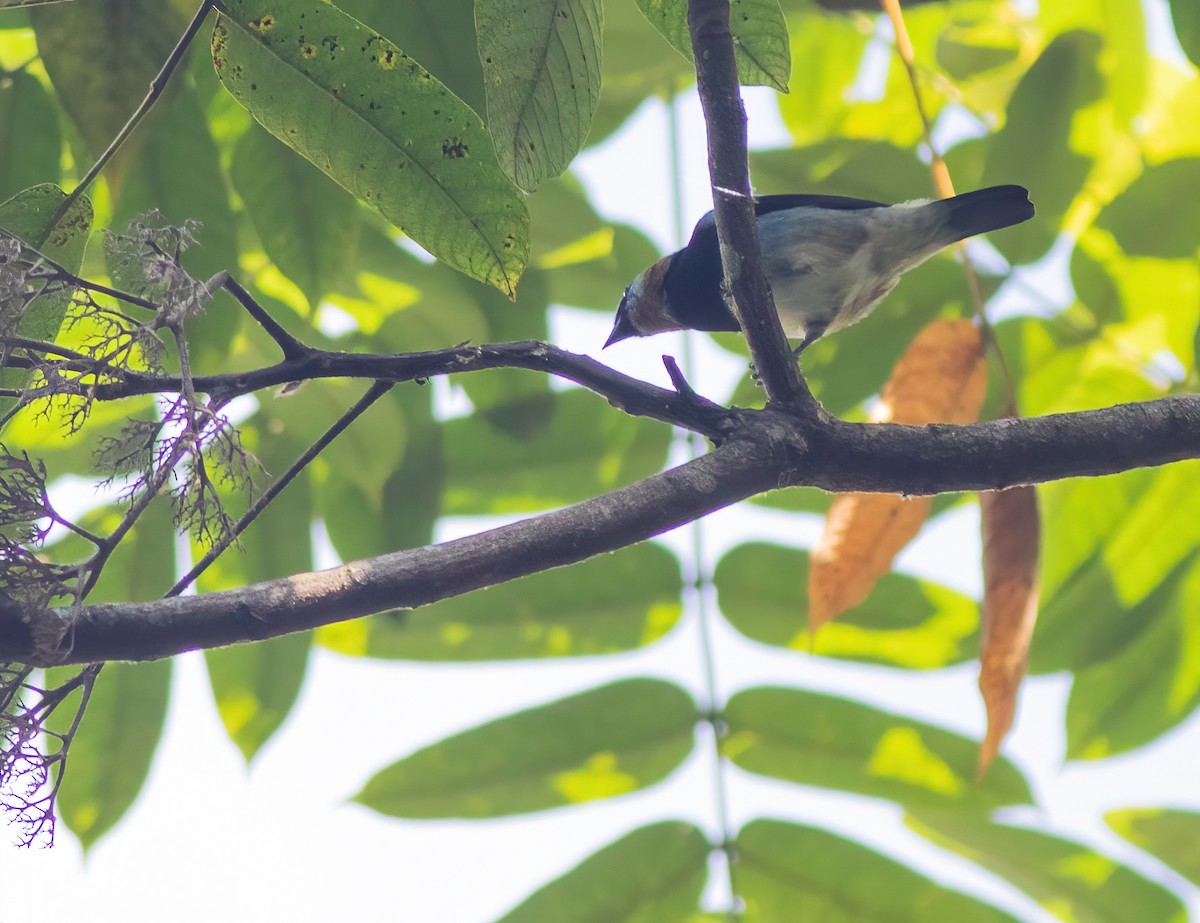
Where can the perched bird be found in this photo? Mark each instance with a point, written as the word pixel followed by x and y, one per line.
pixel 829 260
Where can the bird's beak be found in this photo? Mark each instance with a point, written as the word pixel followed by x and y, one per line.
pixel 623 329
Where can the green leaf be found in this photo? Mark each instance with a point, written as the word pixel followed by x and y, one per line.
pixel 760 37
pixel 1039 129
pixel 435 32
pixel 587 449
pixel 822 740
pixel 1159 532
pixel 793 872
pixel 653 875
pixel 969 48
pixel 29 215
pixel 364 519
pixel 1169 835
pixel 634 67
pixel 614 603
pixel 1058 371
pixel 1186 16
pixel 597 744
pixel 111 753
pixel 308 226
pixel 763 592
pixel 256 685
pixel 378 124
pixel 1083 622
pixel 101 58
pixel 875 170
pixel 176 170
pixel 1135 217
pixel 1151 684
pixel 541 67
pixel 1070 880
pixel 516 401
pixel 32 140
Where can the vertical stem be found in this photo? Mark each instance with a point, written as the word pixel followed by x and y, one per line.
pixel 702 581
pixel 733 204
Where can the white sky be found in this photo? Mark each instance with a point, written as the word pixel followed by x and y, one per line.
pixel 210 839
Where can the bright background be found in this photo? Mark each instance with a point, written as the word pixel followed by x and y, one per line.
pixel 209 838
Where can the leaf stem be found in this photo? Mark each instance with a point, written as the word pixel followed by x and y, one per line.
pixel 157 85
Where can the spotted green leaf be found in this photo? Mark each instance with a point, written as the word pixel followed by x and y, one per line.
pixel 380 125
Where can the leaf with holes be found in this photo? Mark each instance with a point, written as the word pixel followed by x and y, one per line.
pixel 380 125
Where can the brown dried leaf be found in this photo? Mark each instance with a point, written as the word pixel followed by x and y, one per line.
pixel 1010 604
pixel 863 533
pixel 941 378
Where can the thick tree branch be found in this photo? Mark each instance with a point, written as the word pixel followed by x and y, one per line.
pixel 764 449
pixel 138 631
pixel 733 203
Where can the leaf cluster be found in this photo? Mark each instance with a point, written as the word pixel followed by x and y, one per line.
pixel 313 131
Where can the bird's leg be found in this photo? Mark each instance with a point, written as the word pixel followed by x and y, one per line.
pixel 813 331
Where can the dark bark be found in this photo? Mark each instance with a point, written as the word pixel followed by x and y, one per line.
pixel 763 450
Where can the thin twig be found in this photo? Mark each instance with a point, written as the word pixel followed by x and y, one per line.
pixel 374 393
pixel 288 344
pixel 945 188
pixel 157 85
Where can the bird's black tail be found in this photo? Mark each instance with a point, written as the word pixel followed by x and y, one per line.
pixel 985 210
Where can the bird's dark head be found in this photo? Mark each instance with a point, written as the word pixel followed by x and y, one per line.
pixel 643 309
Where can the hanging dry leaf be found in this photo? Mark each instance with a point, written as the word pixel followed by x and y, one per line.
pixel 941 378
pixel 863 533
pixel 1010 604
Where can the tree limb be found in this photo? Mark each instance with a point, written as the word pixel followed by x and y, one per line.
pixel 733 204
pixel 765 449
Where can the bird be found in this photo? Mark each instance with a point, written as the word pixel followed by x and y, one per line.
pixel 829 260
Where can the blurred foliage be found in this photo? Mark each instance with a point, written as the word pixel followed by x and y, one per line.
pixel 1066 99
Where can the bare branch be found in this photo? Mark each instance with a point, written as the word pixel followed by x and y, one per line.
pixel 733 203
pixel 765 449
